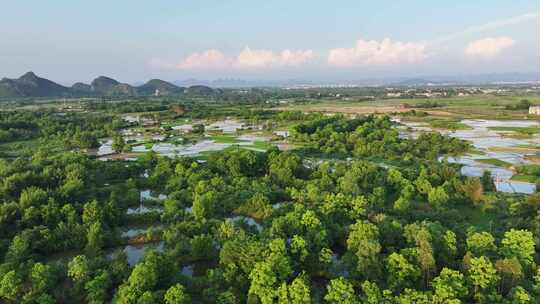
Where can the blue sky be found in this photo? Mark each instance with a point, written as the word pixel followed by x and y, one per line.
pixel 322 40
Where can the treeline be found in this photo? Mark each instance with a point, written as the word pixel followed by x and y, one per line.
pixel 131 106
pixel 523 104
pixel 372 137
pixel 71 130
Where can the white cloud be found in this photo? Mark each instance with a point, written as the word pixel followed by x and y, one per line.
pixel 246 59
pixel 252 59
pixel 385 52
pixel 210 59
pixel 488 48
pixel 257 59
pixel 295 58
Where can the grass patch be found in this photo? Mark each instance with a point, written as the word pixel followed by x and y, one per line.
pixel 525 178
pixel 520 130
pixel 495 162
pixel 177 122
pixel 477 151
pixel 529 146
pixel 204 155
pixel 449 125
pixel 258 145
pixel 224 139
pixel 262 145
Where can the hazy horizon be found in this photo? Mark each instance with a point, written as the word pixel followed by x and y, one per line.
pixel 70 42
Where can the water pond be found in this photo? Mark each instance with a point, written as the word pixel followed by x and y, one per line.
pixel 136 252
pixel 495 145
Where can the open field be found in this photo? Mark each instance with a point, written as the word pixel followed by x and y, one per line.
pixel 485 106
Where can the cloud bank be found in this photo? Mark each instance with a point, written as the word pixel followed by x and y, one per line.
pixel 385 52
pixel 488 48
pixel 210 59
pixel 250 59
pixel 247 59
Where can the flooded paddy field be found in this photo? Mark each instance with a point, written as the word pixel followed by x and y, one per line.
pixel 218 135
pixel 497 152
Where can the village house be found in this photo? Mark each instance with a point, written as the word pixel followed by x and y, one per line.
pixel 534 110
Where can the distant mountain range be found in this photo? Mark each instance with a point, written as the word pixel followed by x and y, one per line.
pixel 30 85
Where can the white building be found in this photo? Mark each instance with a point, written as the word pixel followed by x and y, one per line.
pixel 534 110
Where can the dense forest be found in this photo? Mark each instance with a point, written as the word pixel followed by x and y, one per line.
pixel 359 214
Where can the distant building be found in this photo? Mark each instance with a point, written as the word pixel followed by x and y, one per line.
pixel 535 110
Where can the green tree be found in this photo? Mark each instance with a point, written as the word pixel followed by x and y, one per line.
pixel 298 292
pixel 94 238
pixel 118 143
pixel 258 207
pixel 79 269
pixel 510 271
pixel 143 278
pixel 263 283
pixel 482 273
pixel 226 297
pixel 92 213
pixel 420 236
pixel 481 243
pixel 412 296
pixel 487 182
pixel 33 196
pixel 198 129
pixel 146 298
pixel 449 250
pixel 10 286
pixel 42 278
pixel 97 287
pixel 450 285
pixel 520 296
pixel 363 242
pixel 340 291
pixel 518 244
pixel 372 293
pixel 44 299
pixel 473 190
pixel 176 294
pixel 299 248
pixel 203 205
pixel 401 273
pixel 437 196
